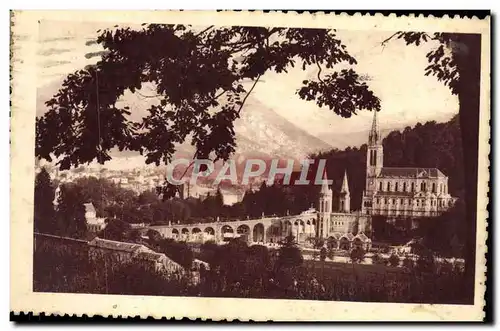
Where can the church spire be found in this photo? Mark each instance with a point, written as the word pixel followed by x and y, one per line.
pixel 324 185
pixel 374 135
pixel 345 185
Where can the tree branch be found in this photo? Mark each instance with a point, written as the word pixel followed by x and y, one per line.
pixel 383 43
pixel 246 96
pixel 219 95
pixel 205 30
pixel 148 96
pixel 319 71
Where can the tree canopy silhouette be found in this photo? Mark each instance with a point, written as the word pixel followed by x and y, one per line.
pixel 456 62
pixel 44 215
pixel 197 78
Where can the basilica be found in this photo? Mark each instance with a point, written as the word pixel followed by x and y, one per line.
pixel 401 192
pixel 392 192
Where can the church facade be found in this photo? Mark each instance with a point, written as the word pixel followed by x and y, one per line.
pixel 401 192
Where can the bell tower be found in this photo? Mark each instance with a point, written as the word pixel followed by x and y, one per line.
pixel 325 208
pixel 374 155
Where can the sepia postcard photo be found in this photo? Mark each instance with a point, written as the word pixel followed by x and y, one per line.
pixel 249 166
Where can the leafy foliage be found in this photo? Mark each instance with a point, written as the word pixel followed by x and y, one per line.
pixel 197 78
pixel 178 251
pixel 71 212
pixel 57 269
pixel 289 253
pixel 115 230
pixel 322 254
pixel 357 254
pixel 393 260
pixel 444 62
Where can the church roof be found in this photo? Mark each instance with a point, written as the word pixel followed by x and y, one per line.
pixel 336 235
pixel 349 236
pixel 345 185
pixel 324 186
pixel 411 172
pixel 394 194
pixel 362 237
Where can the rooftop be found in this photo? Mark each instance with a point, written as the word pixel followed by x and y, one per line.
pixel 114 245
pixel 411 173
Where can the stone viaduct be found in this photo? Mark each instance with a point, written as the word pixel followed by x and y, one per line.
pixel 263 230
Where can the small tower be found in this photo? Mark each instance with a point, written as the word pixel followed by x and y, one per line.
pixel 325 208
pixel 345 196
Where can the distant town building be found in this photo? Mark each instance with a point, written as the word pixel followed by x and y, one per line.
pixel 94 223
pixel 230 198
pixel 401 192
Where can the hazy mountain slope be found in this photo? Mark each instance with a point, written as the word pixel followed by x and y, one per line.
pixel 260 132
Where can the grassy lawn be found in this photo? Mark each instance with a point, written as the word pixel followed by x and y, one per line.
pixel 347 269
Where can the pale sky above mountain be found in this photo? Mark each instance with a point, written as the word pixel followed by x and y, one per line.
pixel 396 74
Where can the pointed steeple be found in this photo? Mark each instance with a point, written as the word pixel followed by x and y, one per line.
pixel 324 185
pixel 374 136
pixel 345 185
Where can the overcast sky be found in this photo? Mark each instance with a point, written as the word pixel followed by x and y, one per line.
pixel 396 71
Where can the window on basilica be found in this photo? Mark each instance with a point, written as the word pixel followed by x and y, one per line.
pixel 413 187
pixel 388 187
pixel 380 187
pixel 396 188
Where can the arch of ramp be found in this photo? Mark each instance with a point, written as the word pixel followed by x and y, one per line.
pixel 332 242
pixel 209 230
pixel 274 232
pixel 244 230
pixel 344 243
pixel 357 242
pixel 258 233
pixel 195 230
pixel 287 228
pixel 226 230
pixel 175 232
pixel 185 231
